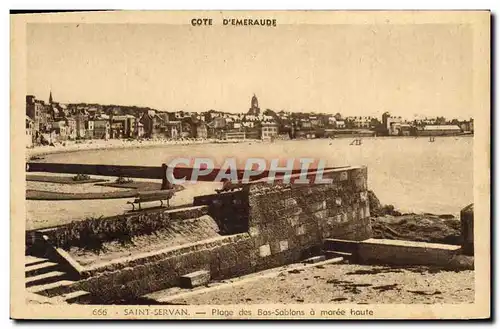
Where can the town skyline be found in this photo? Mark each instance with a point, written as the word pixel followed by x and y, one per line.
pixel 361 70
pixel 415 116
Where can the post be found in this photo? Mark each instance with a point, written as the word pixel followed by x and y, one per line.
pixel 467 232
pixel 165 184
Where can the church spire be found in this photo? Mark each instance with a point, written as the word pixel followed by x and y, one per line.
pixel 50 97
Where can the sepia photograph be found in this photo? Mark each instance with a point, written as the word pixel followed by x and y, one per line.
pixel 250 165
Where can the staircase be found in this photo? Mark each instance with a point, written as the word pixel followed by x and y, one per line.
pixel 346 249
pixel 47 278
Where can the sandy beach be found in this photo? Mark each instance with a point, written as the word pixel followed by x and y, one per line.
pixel 345 283
pixel 99 144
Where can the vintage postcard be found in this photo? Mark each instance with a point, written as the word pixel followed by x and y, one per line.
pixel 250 165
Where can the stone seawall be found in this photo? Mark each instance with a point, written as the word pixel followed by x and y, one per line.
pixel 289 222
pixel 281 223
pixel 227 256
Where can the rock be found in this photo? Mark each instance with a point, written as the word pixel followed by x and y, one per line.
pixel 374 203
pixel 423 228
pixel 461 262
pixel 338 299
pixel 377 209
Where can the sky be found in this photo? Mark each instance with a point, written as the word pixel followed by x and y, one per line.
pixel 408 70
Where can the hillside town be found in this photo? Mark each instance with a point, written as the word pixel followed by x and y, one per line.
pixel 54 122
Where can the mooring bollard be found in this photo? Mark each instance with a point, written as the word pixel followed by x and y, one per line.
pixel 467 225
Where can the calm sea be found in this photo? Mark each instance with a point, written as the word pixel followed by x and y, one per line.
pixel 411 173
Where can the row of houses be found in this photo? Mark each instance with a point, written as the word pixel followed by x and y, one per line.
pixel 54 122
pixel 397 126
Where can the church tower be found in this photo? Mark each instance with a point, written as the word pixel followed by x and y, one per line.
pixel 255 102
pixel 254 106
pixel 50 97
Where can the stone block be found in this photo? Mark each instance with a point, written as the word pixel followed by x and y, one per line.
pixel 254 231
pixel 234 259
pixel 277 230
pixel 367 211
pixel 351 214
pixel 230 254
pixel 289 202
pixel 264 250
pixel 283 245
pixel 270 262
pixel 345 217
pixel 333 212
pixel 287 212
pixel 361 213
pixel 316 206
pixel 343 176
pixel 301 230
pixel 293 220
pixel 340 218
pixel 358 177
pixel 274 246
pixel 322 214
pixel 195 279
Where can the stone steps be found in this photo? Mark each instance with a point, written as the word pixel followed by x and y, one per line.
pixel 347 246
pixel 52 289
pixel 46 278
pixel 32 260
pixel 334 254
pixel 39 268
pixel 347 249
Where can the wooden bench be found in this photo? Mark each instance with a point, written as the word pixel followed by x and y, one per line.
pixel 150 196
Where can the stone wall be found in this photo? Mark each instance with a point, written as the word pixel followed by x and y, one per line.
pixel 290 221
pixel 282 223
pixel 223 257
pixel 230 210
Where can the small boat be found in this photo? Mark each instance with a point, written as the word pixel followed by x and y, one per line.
pixel 357 141
pixel 432 139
